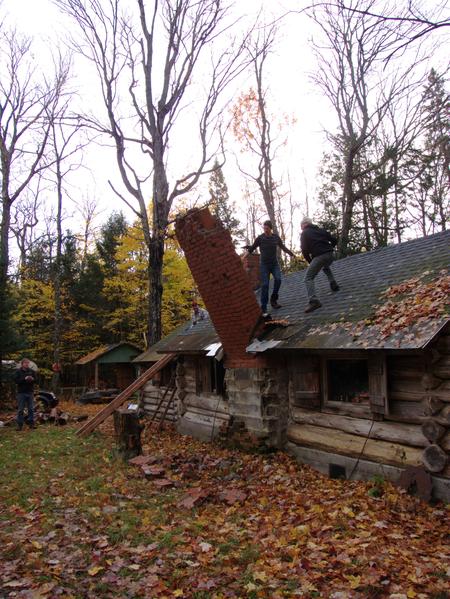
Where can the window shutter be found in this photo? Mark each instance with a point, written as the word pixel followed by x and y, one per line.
pixel 306 383
pixel 378 385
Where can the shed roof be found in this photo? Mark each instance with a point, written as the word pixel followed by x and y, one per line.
pixel 347 319
pixel 99 353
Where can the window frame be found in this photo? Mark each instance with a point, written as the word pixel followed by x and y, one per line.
pixel 339 407
pixel 205 373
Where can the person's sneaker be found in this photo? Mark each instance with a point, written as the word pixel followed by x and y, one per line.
pixel 313 305
pixel 274 303
pixel 19 427
pixel 266 316
pixel 334 286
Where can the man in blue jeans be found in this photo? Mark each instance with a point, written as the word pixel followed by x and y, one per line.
pixel 25 378
pixel 317 249
pixel 268 243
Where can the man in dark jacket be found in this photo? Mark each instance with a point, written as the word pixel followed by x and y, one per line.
pixel 25 378
pixel 268 243
pixel 317 248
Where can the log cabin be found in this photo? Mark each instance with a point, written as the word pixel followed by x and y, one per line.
pixel 358 388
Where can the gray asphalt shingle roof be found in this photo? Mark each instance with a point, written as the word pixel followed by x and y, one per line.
pixel 362 279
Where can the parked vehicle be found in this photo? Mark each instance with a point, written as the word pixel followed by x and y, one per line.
pixel 98 396
pixel 45 400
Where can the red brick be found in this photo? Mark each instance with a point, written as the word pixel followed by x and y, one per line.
pixel 223 280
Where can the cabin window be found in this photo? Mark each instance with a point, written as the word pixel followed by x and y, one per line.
pixel 210 376
pixel 348 381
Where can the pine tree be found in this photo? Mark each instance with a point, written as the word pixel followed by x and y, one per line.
pixel 111 234
pixel 221 205
pixel 436 157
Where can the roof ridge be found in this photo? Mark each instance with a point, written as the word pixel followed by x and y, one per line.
pixel 390 246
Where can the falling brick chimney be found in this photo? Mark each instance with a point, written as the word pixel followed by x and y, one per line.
pixel 250 263
pixel 222 281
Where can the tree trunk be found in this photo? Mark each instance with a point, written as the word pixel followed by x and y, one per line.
pixel 4 263
pixel 348 204
pixel 156 290
pixel 128 433
pixel 161 207
pixel 57 284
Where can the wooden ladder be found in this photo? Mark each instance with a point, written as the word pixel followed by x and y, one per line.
pixel 101 416
pixel 164 403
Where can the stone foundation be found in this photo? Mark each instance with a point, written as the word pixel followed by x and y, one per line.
pixel 258 397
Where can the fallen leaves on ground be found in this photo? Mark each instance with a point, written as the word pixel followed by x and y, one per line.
pixel 77 522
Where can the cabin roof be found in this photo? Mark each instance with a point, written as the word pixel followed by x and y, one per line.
pixel 360 315
pixel 114 353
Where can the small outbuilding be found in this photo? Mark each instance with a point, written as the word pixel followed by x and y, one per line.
pixel 109 366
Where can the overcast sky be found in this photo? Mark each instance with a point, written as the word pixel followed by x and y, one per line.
pixel 291 92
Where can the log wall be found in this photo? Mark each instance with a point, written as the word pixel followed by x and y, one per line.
pixel 414 431
pixel 200 415
pixel 152 395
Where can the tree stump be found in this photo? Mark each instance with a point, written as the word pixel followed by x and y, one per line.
pixel 434 458
pixel 128 433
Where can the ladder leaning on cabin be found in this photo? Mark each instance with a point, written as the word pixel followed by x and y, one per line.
pixel 96 420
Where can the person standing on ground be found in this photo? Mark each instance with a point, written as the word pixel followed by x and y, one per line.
pixel 317 249
pixel 25 379
pixel 268 243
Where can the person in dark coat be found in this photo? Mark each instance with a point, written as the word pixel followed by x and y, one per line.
pixel 25 378
pixel 317 248
pixel 268 243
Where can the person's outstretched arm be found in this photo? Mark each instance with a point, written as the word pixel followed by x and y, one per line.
pixel 255 244
pixel 285 249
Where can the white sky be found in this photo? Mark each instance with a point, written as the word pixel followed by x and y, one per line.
pixel 291 92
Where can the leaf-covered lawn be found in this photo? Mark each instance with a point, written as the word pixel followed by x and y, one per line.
pixel 77 522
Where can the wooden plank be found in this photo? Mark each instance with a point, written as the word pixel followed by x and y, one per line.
pixel 354 446
pixel 101 416
pixel 362 469
pixel 347 409
pixel 407 395
pixel 407 434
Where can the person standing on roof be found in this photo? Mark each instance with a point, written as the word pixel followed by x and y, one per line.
pixel 198 313
pixel 268 243
pixel 317 249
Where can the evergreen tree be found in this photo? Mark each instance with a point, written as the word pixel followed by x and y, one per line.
pixel 221 205
pixel 111 234
pixel 436 158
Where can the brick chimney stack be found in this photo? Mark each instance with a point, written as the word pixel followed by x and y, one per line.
pixel 251 267
pixel 222 281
